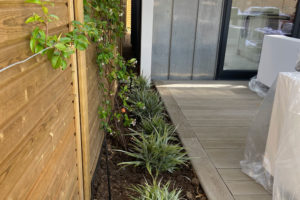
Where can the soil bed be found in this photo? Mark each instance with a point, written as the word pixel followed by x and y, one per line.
pixel 122 178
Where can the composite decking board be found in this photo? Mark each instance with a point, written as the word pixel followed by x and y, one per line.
pixel 205 170
pixel 213 118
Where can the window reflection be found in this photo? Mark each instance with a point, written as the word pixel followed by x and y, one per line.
pixel 249 22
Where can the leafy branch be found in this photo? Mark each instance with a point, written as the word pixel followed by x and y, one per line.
pixel 104 27
pixel 107 18
pixel 60 47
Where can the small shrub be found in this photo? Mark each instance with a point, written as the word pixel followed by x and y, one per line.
pixel 155 152
pixel 158 123
pixel 145 103
pixel 156 191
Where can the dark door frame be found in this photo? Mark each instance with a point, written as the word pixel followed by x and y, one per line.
pixel 241 74
pixel 296 28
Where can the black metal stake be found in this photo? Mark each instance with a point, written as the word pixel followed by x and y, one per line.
pixel 107 169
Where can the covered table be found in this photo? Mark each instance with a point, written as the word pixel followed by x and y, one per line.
pixel 282 153
pixel 272 153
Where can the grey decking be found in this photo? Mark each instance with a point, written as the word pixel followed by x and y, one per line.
pixel 213 119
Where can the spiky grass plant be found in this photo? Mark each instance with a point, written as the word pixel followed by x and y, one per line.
pixel 145 103
pixel 155 152
pixel 156 191
pixel 158 123
pixel 140 83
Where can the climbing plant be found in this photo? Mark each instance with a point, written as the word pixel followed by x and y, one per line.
pixel 107 17
pixel 104 27
pixel 58 48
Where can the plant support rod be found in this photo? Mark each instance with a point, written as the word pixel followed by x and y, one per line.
pixel 23 61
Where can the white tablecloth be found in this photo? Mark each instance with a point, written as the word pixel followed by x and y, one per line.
pixel 282 153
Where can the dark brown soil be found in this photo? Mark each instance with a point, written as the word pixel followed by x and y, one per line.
pixel 122 178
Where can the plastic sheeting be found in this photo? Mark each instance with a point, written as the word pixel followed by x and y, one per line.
pixel 252 165
pixel 282 154
pixel 272 154
pixel 258 87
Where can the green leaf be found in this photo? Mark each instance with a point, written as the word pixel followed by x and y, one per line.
pixel 32 44
pixel 65 40
pixel 63 64
pixel 30 20
pixel 55 61
pixel 76 23
pixel 38 48
pixel 45 9
pixel 60 46
pixel 35 32
pixel 50 53
pixel 67 53
pixel 34 1
pixel 54 17
pixel 81 42
pixel 34 18
pixel 42 35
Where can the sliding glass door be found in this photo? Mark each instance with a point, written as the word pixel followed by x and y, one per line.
pixel 246 22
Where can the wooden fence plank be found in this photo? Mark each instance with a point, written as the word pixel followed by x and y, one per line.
pixel 83 101
pixel 77 111
pixel 40 140
pixel 26 162
pixel 26 119
pixel 12 21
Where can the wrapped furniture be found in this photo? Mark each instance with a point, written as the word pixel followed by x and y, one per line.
pixel 279 54
pixel 282 153
pixel 272 154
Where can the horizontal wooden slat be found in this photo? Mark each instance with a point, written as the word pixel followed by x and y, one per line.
pixel 38 155
pixel 75 194
pixel 95 98
pixel 20 92
pixel 93 82
pixel 57 179
pixel 25 163
pixel 94 107
pixel 12 21
pixel 23 1
pixel 23 122
pixel 95 152
pixel 19 51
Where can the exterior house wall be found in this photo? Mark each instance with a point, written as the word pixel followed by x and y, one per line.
pixel 185 39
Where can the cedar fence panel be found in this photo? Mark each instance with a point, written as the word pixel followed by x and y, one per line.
pixel 50 135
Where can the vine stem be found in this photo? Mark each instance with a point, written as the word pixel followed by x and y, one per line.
pixel 46 33
pixel 23 61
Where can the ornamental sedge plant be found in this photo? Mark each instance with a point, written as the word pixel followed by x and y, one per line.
pixel 156 124
pixel 156 191
pixel 155 152
pixel 145 103
pixel 139 83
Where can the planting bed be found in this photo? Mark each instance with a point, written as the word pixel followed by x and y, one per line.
pixel 149 145
pixel 122 178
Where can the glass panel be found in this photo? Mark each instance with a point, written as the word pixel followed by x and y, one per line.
pixel 250 20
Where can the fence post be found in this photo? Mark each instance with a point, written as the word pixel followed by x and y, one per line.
pixel 76 108
pixel 83 102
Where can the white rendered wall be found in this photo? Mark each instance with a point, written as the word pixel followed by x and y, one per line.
pixel 146 37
